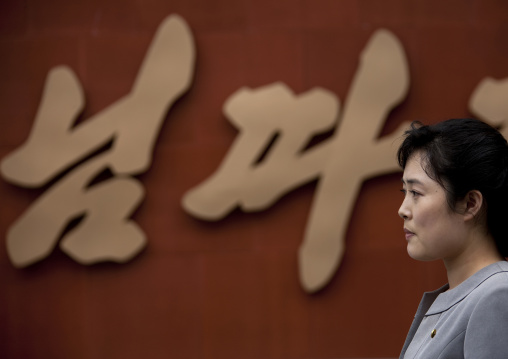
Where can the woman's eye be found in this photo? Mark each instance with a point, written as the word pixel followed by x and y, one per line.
pixel 412 192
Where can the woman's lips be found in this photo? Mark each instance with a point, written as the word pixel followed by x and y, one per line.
pixel 408 233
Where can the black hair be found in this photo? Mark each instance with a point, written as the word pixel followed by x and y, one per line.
pixel 464 155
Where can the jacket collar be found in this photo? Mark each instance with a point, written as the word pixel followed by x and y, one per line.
pixel 449 298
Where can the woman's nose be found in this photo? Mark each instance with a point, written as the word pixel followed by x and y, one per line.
pixel 404 212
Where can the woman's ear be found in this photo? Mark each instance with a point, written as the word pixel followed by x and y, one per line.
pixel 473 204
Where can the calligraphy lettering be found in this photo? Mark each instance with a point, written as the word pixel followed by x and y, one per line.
pixel 489 102
pixel 132 124
pixel 341 163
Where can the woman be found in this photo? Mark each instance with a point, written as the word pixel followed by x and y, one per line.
pixel 455 209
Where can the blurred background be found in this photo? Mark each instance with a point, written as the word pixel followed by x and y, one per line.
pixel 229 289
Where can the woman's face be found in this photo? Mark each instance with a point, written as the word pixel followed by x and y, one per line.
pixel 432 229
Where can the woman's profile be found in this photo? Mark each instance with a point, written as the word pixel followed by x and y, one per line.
pixel 455 209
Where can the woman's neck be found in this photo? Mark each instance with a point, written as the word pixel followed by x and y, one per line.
pixel 481 253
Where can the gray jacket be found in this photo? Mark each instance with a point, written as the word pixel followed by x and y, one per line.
pixel 469 321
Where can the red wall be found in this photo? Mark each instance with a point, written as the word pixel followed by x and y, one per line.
pixel 229 289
